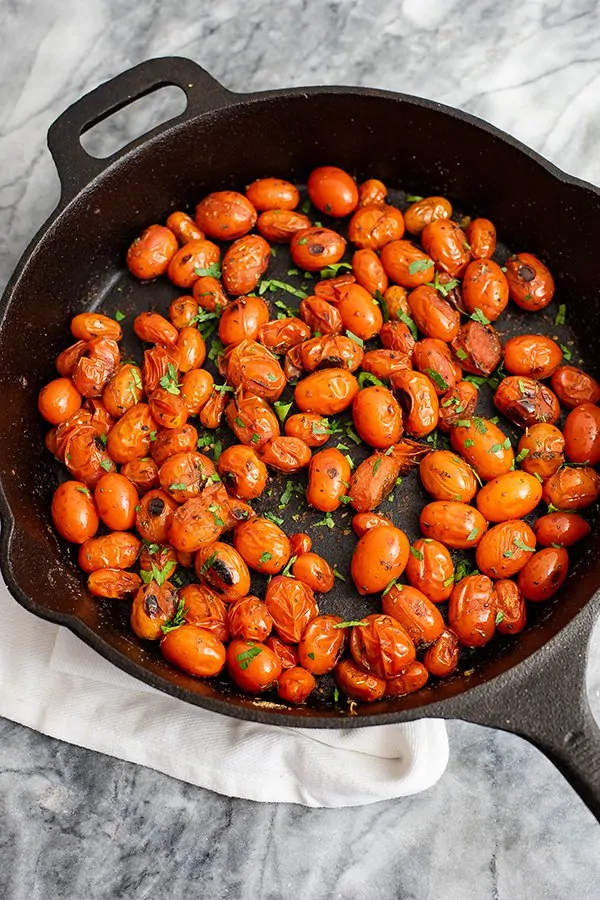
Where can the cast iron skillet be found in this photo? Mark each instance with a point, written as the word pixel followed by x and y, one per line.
pixel 532 685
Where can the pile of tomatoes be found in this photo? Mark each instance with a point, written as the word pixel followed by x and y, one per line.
pixel 401 337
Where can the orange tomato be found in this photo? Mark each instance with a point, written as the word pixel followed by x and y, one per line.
pixel 225 215
pixel 184 228
pixel 321 644
pixel 418 401
pixel 354 682
pixel 314 248
pixel 532 354
pixel 245 263
pixel 252 666
pixel 192 257
pixel 530 283
pixel 472 610
pixel 446 476
pixel 565 528
pixel 372 227
pixel 329 476
pixel 421 212
pixel 447 244
pixel 59 400
pixel 510 496
pixel 572 488
pixel 382 646
pixel 150 254
pixel 582 434
pixel 332 191
pixel 413 679
pixel 243 473
pixel 280 225
pixel 292 605
pixel 372 191
pixel 262 545
pixel 485 288
pixel 481 234
pixel 249 619
pixel 573 387
pixel 454 524
pixel 505 549
pixel 510 605
pixel 544 574
pixel 327 392
pixel 484 446
pixel 406 264
pixel 116 499
pixel 272 193
pixel 441 659
pixel 195 650
pixel 74 512
pixel 377 417
pixel 379 558
pixel 433 315
pixel 295 685
pixel 117 550
pixel 421 620
pixel 541 450
pixel 368 271
pixel 430 569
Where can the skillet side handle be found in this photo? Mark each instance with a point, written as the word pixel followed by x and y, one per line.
pixel 76 168
pixel 544 700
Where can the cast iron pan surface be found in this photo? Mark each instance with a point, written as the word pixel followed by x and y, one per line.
pixel 532 684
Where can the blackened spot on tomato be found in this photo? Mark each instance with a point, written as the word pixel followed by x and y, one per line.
pixel 526 273
pixel 151 604
pixel 156 506
pixel 222 570
pixel 316 249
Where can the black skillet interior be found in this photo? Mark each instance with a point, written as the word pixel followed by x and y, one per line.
pixel 76 264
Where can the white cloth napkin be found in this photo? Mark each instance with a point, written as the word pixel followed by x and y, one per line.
pixel 53 682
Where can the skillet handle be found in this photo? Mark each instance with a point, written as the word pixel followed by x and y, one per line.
pixel 76 168
pixel 544 700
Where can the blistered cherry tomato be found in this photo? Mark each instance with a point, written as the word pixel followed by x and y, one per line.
pixel 544 574
pixel 130 438
pixel 505 549
pixel 510 605
pixel 196 388
pixel 184 228
pixel 312 429
pixel 458 403
pixel 406 264
pixel 381 646
pixel 478 348
pixel 300 543
pixel 362 521
pixel 433 315
pixel 418 400
pixel 201 520
pixel 565 528
pixel 541 450
pixel 574 387
pixel 421 620
pixel 59 400
pixel 532 354
pixel 244 263
pixel 360 313
pixel 472 610
pixel 74 512
pixel 447 244
pixel 572 488
pixel 152 328
pixel 481 234
pixel 372 192
pixel 143 474
pixel 183 311
pixel 329 475
pixel 252 367
pixel 193 256
pixel 484 446
pixel 263 545
pixel 314 571
pixel 377 417
pixel 287 653
pixel 485 288
pixel 243 473
pixel 357 684
pixel 445 476
pixel 191 349
pixel 526 402
pixel 67 360
pixel 330 351
pixel 209 294
pixel 221 567
pixel 285 454
pixel 281 335
pixel 292 605
pixel 167 409
pixel 150 254
pixel 252 666
pixel 295 685
pixel 249 619
pixel 582 434
pixel 327 392
pixel 321 644
pixel 510 496
pixel 170 441
pixel 321 316
pixel 124 390
pixel 332 191
pixel 153 516
pixel 272 193
pixel 395 300
pixel 372 227
pixel 434 358
pixel 441 659
pixel 117 550
pixel 454 524
pixel 86 326
pixel 202 607
pixel 413 679
pixel 116 499
pixel 249 416
pixel 157 363
pixel 368 271
pixel 430 569
pixel 385 363
pixel 379 557
pixel 194 649
pixel 373 480
pixel 315 248
pixel 153 606
pixel 225 215
pixel 530 283
pixel 94 368
pixel 113 583
pixel 422 212
pixel 280 225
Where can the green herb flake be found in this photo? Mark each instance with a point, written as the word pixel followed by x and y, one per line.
pixel 499 617
pixel 178 486
pixel 390 586
pixel 449 580
pixel 560 317
pixel 468 443
pixel 287 571
pixel 461 353
pixel 478 316
pixel 523 546
pixel 177 620
pixel 506 444
pixel 265 557
pixel 84 491
pixel 522 454
pixel 169 381
pixel 413 198
pixel 255 438
pixel 443 288
pixel 338 575
pixel 282 409
pixel 419 265
pixel 119 316
pixel 416 553
pixel 509 554
pixel 566 352
pixel 206 565
pixel 522 388
pixel 247 656
pixel 403 317
pixel 353 623
pixel 106 465
pixel 473 534
pixel 332 270
pixel 552 508
pixel 480 425
pixel 437 379
pixel 355 338
pixel 237 421
pixel 495 448
pixel 376 465
pixel 352 435
pixel 367 378
pixel 311 655
pixel 327 521
pixel 215 510
pixel 152 435
pixel 214 271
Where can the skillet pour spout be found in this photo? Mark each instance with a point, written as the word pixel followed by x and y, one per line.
pixel 533 686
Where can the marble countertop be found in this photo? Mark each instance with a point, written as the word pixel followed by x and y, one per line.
pixel 502 823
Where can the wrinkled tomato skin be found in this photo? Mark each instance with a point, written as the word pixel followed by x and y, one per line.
pixel 434 358
pixel 418 401
pixel 447 244
pixel 117 550
pixel 295 685
pixel 74 512
pixel 184 228
pixel 171 441
pixel 152 607
pixel 129 438
pixel 280 225
pixel 385 363
pixel 472 610
pixel 363 521
pixel 441 659
pixel 478 348
pixel 485 288
pixel 251 539
pixel 332 191
pixel 327 392
pixel 113 584
pixel 483 445
pixel 498 555
pixel 421 212
pixel 511 603
pixel 530 283
pixel 510 496
pixel 544 574
pixel 196 388
pixel 561 528
pixel 396 301
pixel 582 435
pixel 481 234
pixel 321 644
pixel 300 543
pixel 292 605
pixel 368 271
pixel 86 326
pixel 446 476
pixel 329 474
pixel 382 646
pixel 415 677
pixel 406 264
pixel 287 653
pixel 209 294
pixel 193 255
pixel 202 607
pixel 153 516
pixel 458 403
pixel 222 568
pixel 250 366
pixel 360 314
pixel 526 402
pixel 167 410
pixel 330 351
pixel 533 355
pixel 123 390
pixel 116 499
pixel 377 417
pixel 321 316
pixel 572 488
pixel 430 569
pixel 142 473
pixel 285 454
pixel 256 673
pixel 242 319
pixel 152 328
pixel 453 524
pixel 313 570
pixel 312 429
pixel 372 192
pixel 421 620
pixel 543 447
pixel 316 248
pixel 190 349
pixel 355 683
pixel 155 366
pixel 242 472
pixel 249 619
pixel 244 263
pixel 272 193
pixel 250 415
pixel 225 215
pixel 573 387
pixel 372 227
pixel 201 520
pixel 379 557
pixel 433 315
pixel 150 254
pixel 373 480
pixel 195 650
pixel 281 335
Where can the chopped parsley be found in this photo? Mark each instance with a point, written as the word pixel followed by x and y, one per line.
pixel 437 379
pixel 282 409
pixel 419 265
pixel 565 352
pixel 522 545
pixel 177 620
pixel 522 454
pixel 366 377
pixel 287 571
pixel 332 270
pixel 416 553
pixel 214 271
pixel 478 316
pixel 473 534
pixel 215 510
pixel 353 623
pixel 560 317
pixel 206 565
pixel 499 617
pixel 119 316
pixel 444 289
pixel 247 656
pixel 178 486
pixel 265 557
pixel 403 317
pixel 327 521
pixel 355 338
pixel 273 518
pixel 461 353
pixel 106 465
pixel 274 285
pixel 338 574
pixel 169 381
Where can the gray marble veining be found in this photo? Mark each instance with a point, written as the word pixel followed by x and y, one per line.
pixel 502 823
